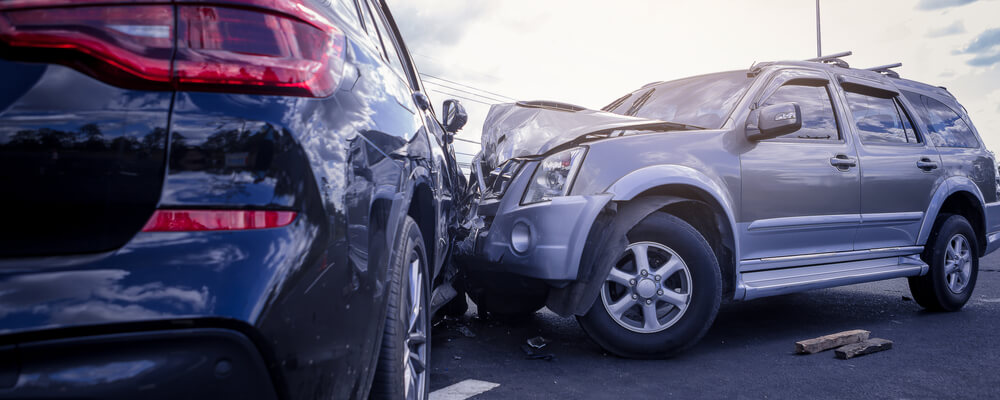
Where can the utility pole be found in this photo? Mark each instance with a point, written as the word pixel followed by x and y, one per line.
pixel 819 45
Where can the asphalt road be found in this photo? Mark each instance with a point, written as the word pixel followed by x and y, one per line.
pixel 748 353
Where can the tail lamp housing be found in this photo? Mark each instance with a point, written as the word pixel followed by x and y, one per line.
pixel 276 47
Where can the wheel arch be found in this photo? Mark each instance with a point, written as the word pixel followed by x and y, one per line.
pixel 957 195
pixel 704 204
pixel 634 197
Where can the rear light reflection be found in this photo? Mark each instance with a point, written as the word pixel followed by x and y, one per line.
pixel 216 220
pixel 212 48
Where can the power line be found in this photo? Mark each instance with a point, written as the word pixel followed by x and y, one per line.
pixel 464 85
pixel 463 97
pixel 465 91
pixel 466 140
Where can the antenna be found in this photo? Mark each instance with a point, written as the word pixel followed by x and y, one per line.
pixel 819 42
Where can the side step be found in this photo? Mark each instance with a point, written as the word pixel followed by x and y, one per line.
pixel 790 280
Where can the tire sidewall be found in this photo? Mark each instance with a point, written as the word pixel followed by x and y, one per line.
pixel 390 376
pixel 950 301
pixel 706 294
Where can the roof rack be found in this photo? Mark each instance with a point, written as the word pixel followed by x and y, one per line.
pixel 887 69
pixel 834 59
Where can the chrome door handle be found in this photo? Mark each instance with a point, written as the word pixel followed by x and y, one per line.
pixel 843 162
pixel 926 164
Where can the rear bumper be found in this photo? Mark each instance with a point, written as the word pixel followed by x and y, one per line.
pixel 202 363
pixel 541 241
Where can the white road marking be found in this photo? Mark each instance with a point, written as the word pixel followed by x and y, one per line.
pixel 463 390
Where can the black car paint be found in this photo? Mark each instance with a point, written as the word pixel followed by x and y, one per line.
pixel 309 295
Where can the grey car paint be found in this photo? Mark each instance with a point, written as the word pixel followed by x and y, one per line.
pixel 783 207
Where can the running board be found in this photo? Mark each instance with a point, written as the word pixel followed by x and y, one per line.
pixel 790 280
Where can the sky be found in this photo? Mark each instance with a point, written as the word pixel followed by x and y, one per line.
pixel 589 53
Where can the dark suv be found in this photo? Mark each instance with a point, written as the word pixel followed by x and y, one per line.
pixel 640 219
pixel 218 199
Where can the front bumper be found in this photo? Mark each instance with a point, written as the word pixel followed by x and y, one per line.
pixel 541 241
pixel 206 363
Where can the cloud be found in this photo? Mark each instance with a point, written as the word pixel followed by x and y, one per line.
pixel 954 29
pixel 984 60
pixel 985 47
pixel 939 4
pixel 433 24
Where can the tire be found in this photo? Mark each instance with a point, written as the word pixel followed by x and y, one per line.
pixel 404 359
pixel 694 283
pixel 949 283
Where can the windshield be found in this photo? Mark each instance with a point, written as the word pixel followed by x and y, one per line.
pixel 703 101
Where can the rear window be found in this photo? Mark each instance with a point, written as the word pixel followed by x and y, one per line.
pixel 946 127
pixel 705 101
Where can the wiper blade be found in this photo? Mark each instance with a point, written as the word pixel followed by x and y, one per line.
pixel 676 126
pixel 641 101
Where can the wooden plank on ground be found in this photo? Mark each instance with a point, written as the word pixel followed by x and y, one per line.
pixel 859 349
pixel 833 341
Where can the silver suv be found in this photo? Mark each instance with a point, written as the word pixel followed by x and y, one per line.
pixel 641 218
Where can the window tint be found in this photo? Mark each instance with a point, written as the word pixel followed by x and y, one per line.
pixel 818 120
pixel 880 120
pixel 704 101
pixel 946 128
pixel 392 55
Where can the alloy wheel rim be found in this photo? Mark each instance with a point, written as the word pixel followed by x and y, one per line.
pixel 648 289
pixel 958 263
pixel 416 352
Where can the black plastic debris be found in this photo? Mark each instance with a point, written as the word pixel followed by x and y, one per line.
pixel 538 342
pixel 531 354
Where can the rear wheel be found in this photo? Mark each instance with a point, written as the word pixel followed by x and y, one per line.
pixel 952 254
pixel 661 295
pixel 405 355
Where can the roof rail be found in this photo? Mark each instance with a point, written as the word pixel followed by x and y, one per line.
pixel 887 69
pixel 834 59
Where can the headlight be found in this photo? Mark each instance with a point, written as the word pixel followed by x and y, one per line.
pixel 554 176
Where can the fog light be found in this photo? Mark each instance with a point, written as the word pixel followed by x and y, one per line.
pixel 520 237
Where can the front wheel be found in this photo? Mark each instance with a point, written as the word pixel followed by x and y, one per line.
pixel 661 295
pixel 405 355
pixel 952 254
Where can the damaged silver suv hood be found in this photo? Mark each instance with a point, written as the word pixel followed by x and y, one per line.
pixel 523 129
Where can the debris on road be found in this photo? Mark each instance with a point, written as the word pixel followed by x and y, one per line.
pixel 538 342
pixel 907 298
pixel 866 347
pixel 457 357
pixel 531 354
pixel 465 331
pixel 833 341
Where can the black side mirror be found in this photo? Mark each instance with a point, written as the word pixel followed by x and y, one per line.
pixel 774 121
pixel 454 117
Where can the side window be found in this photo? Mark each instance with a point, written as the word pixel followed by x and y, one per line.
pixel 391 52
pixel 880 120
pixel 946 127
pixel 818 119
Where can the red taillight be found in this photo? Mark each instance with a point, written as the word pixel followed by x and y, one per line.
pixel 211 49
pixel 227 48
pixel 216 220
pixel 123 45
